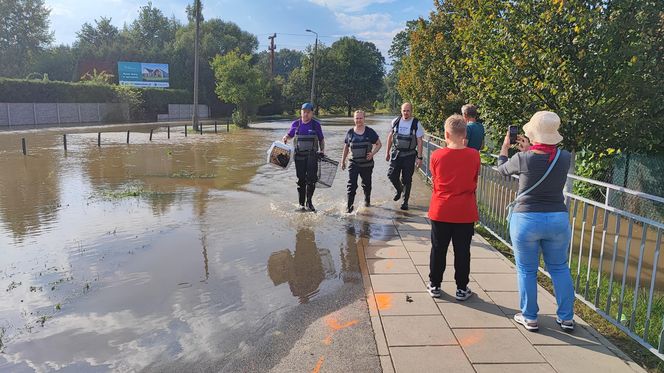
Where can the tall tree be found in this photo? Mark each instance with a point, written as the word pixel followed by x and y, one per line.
pixel 151 31
pixel 360 73
pixel 240 83
pixel 24 33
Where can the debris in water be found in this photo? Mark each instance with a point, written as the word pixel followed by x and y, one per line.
pixel 409 299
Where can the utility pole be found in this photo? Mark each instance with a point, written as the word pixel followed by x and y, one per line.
pixel 313 74
pixel 272 48
pixel 197 4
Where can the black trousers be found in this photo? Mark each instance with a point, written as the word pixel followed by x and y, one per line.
pixel 461 235
pixel 354 171
pixel 403 167
pixel 306 169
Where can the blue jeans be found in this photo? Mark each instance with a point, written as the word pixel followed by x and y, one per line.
pixel 550 232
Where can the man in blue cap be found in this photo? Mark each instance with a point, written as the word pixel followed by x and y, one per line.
pixel 309 144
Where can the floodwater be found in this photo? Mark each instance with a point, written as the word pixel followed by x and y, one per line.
pixel 181 254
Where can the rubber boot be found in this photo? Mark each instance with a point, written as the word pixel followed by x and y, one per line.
pixel 310 195
pixel 367 199
pixel 399 189
pixel 351 200
pixel 301 194
pixel 406 196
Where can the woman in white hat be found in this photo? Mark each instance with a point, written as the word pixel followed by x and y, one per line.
pixel 540 220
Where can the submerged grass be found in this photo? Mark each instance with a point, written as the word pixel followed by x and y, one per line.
pixel 624 342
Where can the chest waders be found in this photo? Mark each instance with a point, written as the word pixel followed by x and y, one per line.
pixel 360 146
pixel 403 160
pixel 306 166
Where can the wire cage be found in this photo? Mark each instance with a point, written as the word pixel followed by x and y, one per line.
pixel 327 170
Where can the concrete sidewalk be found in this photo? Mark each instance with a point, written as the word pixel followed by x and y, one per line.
pixel 416 333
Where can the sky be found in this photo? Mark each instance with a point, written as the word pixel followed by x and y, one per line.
pixel 376 21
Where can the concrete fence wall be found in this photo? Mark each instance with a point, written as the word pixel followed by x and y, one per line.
pixel 21 114
pixel 184 111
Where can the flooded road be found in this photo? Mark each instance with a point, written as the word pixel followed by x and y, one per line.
pixel 181 254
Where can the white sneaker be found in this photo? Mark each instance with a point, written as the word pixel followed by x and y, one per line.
pixel 434 291
pixel 566 325
pixel 530 325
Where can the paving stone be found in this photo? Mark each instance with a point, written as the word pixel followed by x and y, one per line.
pixel 474 315
pixel 394 304
pixel 496 346
pixel 390 266
pixel 496 281
pixel 584 359
pixel 397 283
pixel 482 265
pixel 508 301
pixel 417 246
pixel 449 291
pixel 391 241
pixel 479 251
pixel 514 368
pixel 413 226
pixel 420 257
pixel 386 364
pixel 423 270
pixel 423 236
pixel 381 342
pixel 431 359
pixel 417 331
pixel 550 334
pixel 382 252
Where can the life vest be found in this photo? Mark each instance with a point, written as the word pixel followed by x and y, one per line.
pixel 404 145
pixel 360 146
pixel 305 145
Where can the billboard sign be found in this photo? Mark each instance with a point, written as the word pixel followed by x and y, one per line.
pixel 142 74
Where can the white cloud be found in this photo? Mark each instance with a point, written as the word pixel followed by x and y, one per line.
pixel 377 21
pixel 348 5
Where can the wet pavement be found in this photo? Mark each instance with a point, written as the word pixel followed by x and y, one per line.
pixel 181 254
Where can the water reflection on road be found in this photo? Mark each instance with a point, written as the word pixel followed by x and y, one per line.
pixel 209 268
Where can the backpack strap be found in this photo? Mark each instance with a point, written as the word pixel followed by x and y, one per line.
pixel 413 127
pixel 395 124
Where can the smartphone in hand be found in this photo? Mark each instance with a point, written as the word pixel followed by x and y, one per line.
pixel 514 130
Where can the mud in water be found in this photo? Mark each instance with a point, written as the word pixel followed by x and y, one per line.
pixel 181 254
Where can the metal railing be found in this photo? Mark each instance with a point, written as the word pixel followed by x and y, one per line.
pixel 611 274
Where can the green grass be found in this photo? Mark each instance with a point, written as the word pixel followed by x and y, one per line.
pixel 184 174
pixel 127 192
pixel 633 349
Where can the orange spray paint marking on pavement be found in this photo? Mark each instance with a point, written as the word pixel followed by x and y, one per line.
pixel 389 264
pixel 472 339
pixel 334 324
pixel 383 301
pixel 318 365
pixel 328 340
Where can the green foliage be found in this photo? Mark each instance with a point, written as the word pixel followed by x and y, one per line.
pixel 97 77
pixel 595 63
pixel 24 34
pixel 144 104
pixel 19 90
pixel 241 84
pixel 358 74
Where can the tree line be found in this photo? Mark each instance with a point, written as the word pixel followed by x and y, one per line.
pixel 233 74
pixel 598 64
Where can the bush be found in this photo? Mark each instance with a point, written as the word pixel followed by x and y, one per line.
pixel 19 90
pixel 144 103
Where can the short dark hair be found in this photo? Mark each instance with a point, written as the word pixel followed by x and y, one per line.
pixel 469 110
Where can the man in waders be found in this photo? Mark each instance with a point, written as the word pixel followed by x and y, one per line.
pixel 362 143
pixel 309 144
pixel 404 152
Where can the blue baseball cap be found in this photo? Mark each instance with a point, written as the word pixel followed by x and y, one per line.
pixel 307 106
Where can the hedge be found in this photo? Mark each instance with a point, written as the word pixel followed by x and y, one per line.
pixel 153 100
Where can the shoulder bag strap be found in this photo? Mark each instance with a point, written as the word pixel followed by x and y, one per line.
pixel 548 171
